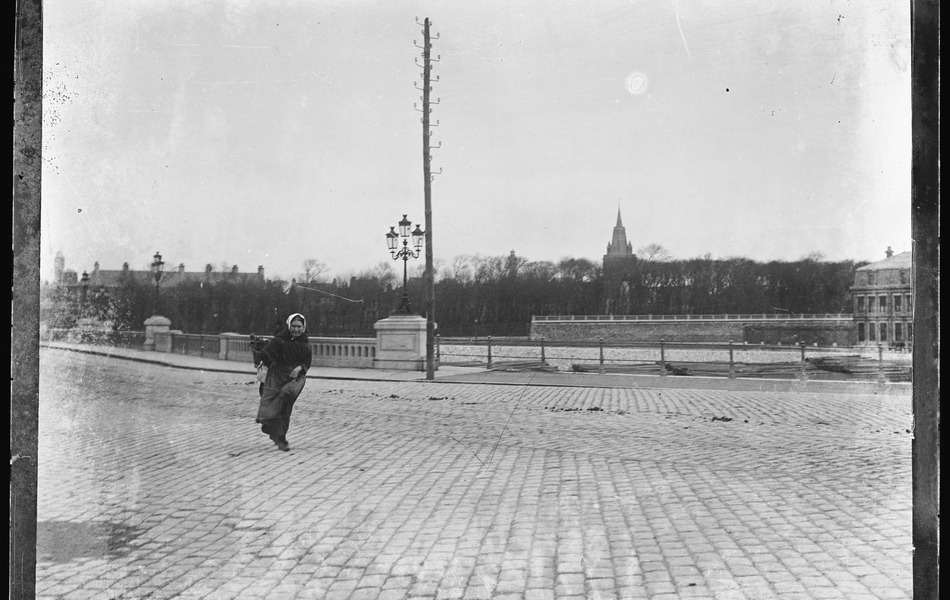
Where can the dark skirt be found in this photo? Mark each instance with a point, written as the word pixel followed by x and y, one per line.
pixel 278 394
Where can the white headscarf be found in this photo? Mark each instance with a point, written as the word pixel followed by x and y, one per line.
pixel 297 316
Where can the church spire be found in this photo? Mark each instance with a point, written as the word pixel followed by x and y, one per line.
pixel 619 243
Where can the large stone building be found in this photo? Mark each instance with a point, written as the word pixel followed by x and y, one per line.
pixel 109 279
pixel 104 281
pixel 884 301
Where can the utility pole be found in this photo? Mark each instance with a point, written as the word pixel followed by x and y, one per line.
pixel 428 176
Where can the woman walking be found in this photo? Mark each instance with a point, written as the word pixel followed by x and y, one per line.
pixel 286 358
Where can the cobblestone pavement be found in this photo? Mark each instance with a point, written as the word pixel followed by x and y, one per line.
pixel 156 483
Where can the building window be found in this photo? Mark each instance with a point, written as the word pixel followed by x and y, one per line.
pixel 861 332
pixel 910 305
pixel 871 332
pixel 910 332
pixel 870 278
pixel 883 303
pixel 860 304
pixel 898 332
pixel 883 332
pixel 897 303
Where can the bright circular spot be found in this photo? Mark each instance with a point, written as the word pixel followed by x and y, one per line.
pixel 637 83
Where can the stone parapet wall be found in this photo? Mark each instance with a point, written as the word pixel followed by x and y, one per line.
pixel 823 333
pixel 637 331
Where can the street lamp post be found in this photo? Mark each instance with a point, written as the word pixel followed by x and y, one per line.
pixel 157 265
pixel 405 253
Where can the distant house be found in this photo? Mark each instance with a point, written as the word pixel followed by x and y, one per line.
pixel 884 300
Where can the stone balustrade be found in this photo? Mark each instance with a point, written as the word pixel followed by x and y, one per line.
pixel 327 351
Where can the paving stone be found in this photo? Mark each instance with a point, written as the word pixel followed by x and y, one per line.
pixel 661 587
pixel 601 585
pixel 539 594
pixel 568 589
pixel 698 591
pixel 424 588
pixel 476 593
pixel 570 579
pixel 657 576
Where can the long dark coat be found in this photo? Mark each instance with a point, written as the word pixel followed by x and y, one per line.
pixel 279 390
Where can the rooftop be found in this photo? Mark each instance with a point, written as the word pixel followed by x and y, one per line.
pixel 897 261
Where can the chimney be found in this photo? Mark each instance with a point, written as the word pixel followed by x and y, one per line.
pixel 95 267
pixel 181 268
pixel 260 271
pixel 234 270
pixel 207 270
pixel 889 252
pixel 125 267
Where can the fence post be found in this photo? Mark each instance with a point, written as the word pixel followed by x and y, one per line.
pixel 601 370
pixel 804 373
pixel 542 351
pixel 489 352
pixel 662 360
pixel 732 365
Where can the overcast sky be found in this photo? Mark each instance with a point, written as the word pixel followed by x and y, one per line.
pixel 271 132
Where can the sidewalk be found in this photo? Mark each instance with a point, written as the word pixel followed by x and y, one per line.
pixel 185 361
pixel 480 375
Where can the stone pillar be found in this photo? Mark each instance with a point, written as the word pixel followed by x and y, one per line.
pixel 224 341
pixel 401 343
pixel 163 341
pixel 154 324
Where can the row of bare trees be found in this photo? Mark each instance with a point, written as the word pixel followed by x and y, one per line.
pixel 475 295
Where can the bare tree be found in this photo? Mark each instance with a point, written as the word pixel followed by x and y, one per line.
pixel 462 267
pixel 578 269
pixel 543 270
pixel 417 270
pixel 441 269
pixel 313 271
pixel 489 268
pixel 384 273
pixel 654 253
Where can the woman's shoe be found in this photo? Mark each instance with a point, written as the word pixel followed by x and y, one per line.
pixel 283 445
